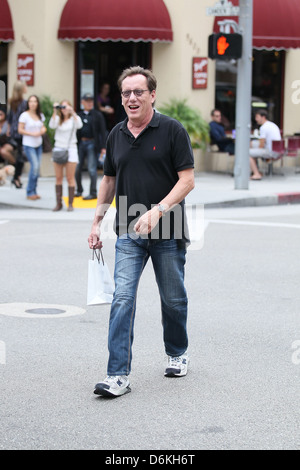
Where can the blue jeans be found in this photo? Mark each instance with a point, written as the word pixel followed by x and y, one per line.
pixel 168 259
pixel 87 149
pixel 34 156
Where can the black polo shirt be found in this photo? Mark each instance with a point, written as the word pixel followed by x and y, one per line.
pixel 146 171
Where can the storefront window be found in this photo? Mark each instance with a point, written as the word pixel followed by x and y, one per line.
pixel 226 75
pixel 267 81
pixel 267 86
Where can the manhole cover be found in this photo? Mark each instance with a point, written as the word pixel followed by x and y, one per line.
pixel 31 310
pixel 45 311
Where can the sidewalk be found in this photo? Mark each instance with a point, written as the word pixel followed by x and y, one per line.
pixel 211 189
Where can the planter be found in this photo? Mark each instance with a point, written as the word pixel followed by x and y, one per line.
pixel 47 168
pixel 199 160
pixel 213 161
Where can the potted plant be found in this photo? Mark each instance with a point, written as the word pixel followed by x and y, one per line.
pixel 192 121
pixel 47 168
pixel 47 110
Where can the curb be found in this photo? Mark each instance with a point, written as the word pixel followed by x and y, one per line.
pixel 280 199
pixel 271 200
pixel 288 198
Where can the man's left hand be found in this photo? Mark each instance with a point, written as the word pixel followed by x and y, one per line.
pixel 147 222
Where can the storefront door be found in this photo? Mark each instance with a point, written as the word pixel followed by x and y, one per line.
pixel 99 62
pixel 3 72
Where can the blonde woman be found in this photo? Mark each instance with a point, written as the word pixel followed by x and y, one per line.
pixel 65 122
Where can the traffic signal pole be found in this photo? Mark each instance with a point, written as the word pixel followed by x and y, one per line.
pixel 243 98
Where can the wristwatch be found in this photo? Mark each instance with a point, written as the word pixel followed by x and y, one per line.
pixel 162 209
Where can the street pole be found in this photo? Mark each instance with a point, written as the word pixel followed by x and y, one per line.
pixel 243 98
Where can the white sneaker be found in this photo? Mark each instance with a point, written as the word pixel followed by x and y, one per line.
pixel 113 386
pixel 177 366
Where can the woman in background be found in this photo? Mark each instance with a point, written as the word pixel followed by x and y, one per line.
pixel 66 123
pixel 31 127
pixel 104 105
pixel 17 105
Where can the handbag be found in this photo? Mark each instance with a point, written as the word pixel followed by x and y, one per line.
pixel 100 286
pixel 61 156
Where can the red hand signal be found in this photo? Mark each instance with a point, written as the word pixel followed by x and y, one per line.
pixel 222 45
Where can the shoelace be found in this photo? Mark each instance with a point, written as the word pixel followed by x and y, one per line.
pixel 174 361
pixel 115 379
pixel 111 378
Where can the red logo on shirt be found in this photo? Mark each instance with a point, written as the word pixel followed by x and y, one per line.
pixel 154 148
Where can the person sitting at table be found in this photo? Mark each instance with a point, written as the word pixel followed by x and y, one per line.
pixel 262 148
pixel 218 135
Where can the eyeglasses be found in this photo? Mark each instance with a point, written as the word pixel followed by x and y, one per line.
pixel 137 93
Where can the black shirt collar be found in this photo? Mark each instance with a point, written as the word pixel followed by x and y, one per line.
pixel 153 123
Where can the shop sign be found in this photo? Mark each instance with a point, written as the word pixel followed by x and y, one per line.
pixel 223 8
pixel 200 72
pixel 87 82
pixel 25 68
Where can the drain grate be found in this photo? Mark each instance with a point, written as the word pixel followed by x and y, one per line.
pixel 45 311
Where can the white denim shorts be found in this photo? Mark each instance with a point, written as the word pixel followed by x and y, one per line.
pixel 73 154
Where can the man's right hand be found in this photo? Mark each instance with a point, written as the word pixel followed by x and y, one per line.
pixel 94 239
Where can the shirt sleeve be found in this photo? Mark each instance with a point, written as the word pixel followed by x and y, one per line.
pixel 22 118
pixel 53 123
pixel 78 122
pixel 109 168
pixel 262 133
pixel 182 152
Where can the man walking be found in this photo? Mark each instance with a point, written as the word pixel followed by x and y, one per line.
pixel 149 167
pixel 91 143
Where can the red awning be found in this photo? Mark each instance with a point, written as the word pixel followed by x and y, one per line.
pixel 115 20
pixel 275 24
pixel 6 27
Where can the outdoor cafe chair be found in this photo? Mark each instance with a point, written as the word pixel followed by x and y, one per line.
pixel 278 152
pixel 292 150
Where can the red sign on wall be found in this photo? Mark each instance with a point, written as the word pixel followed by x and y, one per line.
pixel 25 68
pixel 200 72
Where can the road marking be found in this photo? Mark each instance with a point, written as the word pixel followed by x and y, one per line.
pixel 21 310
pixel 258 224
pixel 198 231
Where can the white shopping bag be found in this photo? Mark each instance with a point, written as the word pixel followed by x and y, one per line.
pixel 100 287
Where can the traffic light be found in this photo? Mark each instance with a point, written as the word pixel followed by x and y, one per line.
pixel 225 46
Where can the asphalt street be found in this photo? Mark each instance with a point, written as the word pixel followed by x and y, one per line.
pixel 242 390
